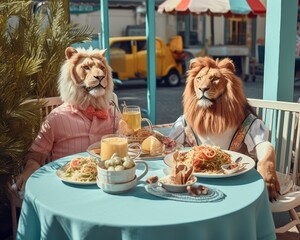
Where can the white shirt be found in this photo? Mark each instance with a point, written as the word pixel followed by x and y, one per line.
pixel 256 134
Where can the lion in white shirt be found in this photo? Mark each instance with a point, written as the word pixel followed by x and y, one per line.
pixel 216 112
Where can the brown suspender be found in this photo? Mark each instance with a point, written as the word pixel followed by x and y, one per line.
pixel 240 134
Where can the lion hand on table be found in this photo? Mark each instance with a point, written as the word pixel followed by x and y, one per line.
pixel 31 167
pixel 33 162
pixel 266 167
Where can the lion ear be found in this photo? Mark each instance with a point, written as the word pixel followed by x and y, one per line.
pixel 100 54
pixel 227 63
pixel 69 52
pixel 192 63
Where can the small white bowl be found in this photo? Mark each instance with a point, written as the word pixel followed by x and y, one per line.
pixel 230 168
pixel 116 188
pixel 176 188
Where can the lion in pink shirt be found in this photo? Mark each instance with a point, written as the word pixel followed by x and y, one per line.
pixel 89 110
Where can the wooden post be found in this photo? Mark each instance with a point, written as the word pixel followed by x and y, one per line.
pixel 66 5
pixel 212 30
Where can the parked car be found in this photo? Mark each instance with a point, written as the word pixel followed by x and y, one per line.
pixel 128 59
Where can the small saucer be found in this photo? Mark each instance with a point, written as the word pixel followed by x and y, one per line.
pixel 116 188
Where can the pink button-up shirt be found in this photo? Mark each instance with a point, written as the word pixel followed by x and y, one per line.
pixel 67 131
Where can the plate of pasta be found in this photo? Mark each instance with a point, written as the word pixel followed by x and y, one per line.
pixel 80 170
pixel 208 161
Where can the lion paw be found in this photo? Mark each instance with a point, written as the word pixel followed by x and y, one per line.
pixel 272 183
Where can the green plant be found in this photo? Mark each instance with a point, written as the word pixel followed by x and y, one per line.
pixel 31 54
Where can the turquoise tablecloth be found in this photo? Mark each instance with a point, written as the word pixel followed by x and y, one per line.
pixel 55 210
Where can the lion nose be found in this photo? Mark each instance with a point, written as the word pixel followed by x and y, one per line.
pixel 99 77
pixel 203 89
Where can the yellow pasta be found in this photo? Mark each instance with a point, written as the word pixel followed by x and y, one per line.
pixel 205 158
pixel 82 169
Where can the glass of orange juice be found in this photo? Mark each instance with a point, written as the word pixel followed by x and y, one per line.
pixel 113 144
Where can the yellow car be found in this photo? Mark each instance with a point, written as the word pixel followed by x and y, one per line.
pixel 128 59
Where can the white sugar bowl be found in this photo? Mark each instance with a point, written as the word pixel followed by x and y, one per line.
pixel 120 170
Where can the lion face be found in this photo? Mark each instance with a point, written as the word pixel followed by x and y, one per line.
pixel 213 99
pixel 209 85
pixel 90 73
pixel 86 78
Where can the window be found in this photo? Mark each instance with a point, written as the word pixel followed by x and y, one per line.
pixel 141 45
pixel 194 22
pixel 124 45
pixel 236 30
pixel 194 25
pixel 180 22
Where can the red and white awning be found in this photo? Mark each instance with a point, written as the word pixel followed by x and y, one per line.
pixel 214 7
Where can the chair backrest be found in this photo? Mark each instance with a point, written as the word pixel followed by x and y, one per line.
pixel 50 104
pixel 282 119
pixel 12 194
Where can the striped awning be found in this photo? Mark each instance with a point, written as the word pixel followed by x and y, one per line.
pixel 214 7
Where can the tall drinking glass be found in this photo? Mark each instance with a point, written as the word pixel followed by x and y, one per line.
pixel 113 144
pixel 132 116
pixel 118 144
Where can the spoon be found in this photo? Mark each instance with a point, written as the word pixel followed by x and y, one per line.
pixel 238 159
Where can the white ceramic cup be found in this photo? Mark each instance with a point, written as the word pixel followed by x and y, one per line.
pixel 122 176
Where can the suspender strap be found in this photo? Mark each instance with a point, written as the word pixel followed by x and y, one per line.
pixel 239 136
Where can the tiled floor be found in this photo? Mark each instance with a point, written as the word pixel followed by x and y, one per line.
pixel 293 234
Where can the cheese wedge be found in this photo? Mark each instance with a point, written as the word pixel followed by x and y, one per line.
pixel 151 145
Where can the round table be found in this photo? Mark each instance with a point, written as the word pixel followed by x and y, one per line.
pixel 53 209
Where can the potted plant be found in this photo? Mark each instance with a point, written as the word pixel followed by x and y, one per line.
pixel 31 53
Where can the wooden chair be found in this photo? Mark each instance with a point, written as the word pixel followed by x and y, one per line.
pixel 12 193
pixel 283 120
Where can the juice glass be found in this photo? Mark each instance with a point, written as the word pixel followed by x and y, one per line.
pixel 113 143
pixel 132 116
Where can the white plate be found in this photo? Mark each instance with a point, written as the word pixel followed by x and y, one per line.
pixel 61 172
pixel 96 146
pixel 248 162
pixel 91 148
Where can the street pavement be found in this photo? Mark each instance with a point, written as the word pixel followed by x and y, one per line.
pixel 169 99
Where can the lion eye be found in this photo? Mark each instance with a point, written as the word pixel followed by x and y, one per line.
pixel 215 78
pixel 86 67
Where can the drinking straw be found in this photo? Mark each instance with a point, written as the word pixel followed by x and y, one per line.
pixel 124 106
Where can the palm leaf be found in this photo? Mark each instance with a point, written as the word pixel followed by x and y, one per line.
pixel 31 55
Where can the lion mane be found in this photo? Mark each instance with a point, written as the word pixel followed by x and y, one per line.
pixel 227 104
pixel 86 79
